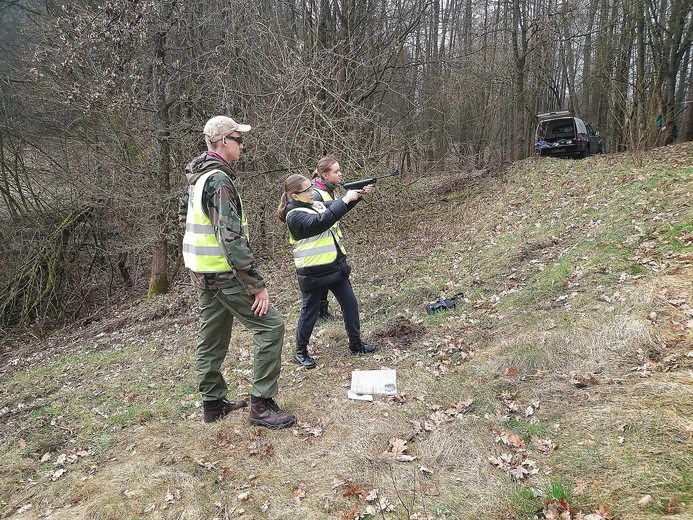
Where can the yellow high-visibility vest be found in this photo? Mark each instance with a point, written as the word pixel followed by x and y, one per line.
pixel 325 197
pixel 319 249
pixel 323 193
pixel 201 251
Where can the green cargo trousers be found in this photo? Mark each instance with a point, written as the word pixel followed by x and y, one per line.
pixel 218 308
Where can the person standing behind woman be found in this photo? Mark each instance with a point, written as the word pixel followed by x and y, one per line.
pixel 326 179
pixel 673 133
pixel 320 261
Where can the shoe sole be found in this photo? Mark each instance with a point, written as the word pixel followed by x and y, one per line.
pixel 255 422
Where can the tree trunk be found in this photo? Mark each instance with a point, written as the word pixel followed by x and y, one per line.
pixel 159 283
pixel 688 126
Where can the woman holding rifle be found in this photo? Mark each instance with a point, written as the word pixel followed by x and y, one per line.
pixel 326 180
pixel 320 260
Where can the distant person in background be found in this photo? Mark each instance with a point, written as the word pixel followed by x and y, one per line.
pixel 673 132
pixel 216 249
pixel 320 261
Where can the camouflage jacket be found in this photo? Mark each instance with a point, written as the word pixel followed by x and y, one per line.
pixel 221 203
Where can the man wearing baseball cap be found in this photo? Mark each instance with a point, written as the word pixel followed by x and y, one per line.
pixel 216 249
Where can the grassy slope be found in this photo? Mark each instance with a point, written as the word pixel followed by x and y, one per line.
pixel 571 355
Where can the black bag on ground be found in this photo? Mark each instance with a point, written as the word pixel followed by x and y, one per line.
pixel 443 304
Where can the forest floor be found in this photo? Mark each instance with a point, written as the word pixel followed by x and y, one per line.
pixel 559 387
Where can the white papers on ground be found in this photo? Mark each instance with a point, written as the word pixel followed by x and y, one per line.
pixel 366 383
pixel 359 397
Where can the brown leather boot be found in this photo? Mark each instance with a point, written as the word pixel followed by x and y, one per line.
pixel 265 412
pixel 215 410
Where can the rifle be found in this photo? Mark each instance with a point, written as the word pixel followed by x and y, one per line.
pixel 357 185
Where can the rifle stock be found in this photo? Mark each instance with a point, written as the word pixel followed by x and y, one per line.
pixel 357 185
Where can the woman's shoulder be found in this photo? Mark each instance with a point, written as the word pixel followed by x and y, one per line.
pixel 301 207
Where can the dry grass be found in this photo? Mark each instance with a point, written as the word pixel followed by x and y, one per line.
pixel 575 332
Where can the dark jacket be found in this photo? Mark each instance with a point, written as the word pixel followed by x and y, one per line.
pixel 302 225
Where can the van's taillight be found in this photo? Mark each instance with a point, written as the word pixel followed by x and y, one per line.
pixel 579 139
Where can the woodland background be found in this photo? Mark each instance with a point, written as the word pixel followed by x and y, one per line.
pixel 102 104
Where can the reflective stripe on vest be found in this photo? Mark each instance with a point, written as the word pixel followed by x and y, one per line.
pixel 319 249
pixel 201 251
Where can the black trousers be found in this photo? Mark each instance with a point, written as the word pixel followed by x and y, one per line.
pixel 310 308
pixel 323 299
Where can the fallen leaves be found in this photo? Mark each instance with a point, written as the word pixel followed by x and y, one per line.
pixel 579 380
pixel 545 445
pixel 24 509
pixel 304 429
pixel 425 470
pixel 515 465
pixel 453 352
pixel 674 506
pixel 397 450
pixel 509 403
pixel 645 501
pixel 375 502
pixel 438 417
pixel 430 490
pixel 512 440
pixel 559 509
pixel 688 431
pixel 63 459
pixel 299 493
pixel 460 407
pixel 261 447
pixel 55 475
pixel 170 498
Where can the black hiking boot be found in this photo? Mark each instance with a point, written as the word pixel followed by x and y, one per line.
pixel 302 358
pixel 325 314
pixel 359 347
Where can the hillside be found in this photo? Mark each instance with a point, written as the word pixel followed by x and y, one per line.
pixel 561 385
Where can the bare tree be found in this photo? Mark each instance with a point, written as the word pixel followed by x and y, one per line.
pixel 102 105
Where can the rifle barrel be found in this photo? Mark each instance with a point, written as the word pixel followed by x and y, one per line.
pixel 371 180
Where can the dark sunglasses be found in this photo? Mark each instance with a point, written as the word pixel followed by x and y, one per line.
pixel 237 138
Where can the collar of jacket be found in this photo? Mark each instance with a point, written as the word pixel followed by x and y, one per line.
pixel 293 204
pixel 205 162
pixel 220 158
pixel 327 186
